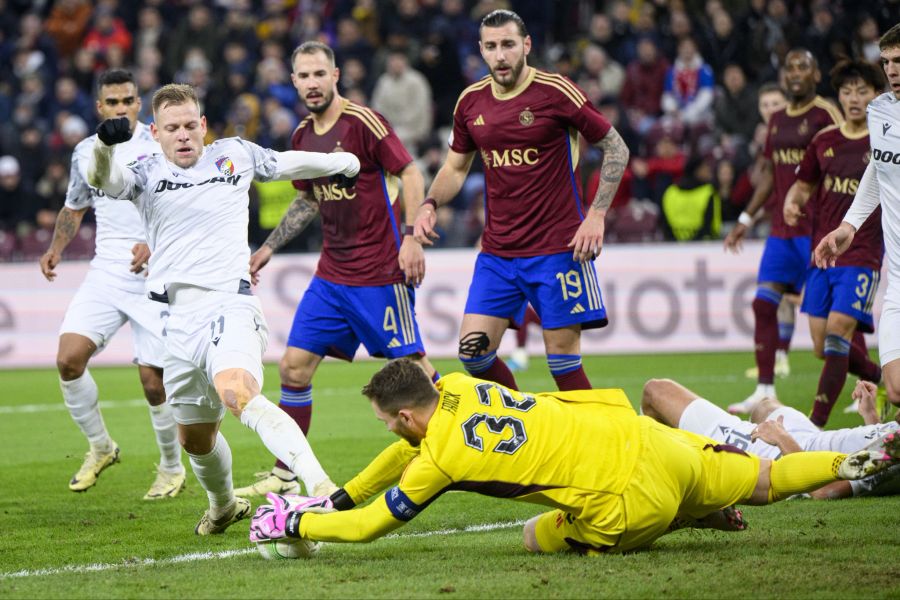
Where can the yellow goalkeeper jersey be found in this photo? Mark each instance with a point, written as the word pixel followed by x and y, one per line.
pixel 555 449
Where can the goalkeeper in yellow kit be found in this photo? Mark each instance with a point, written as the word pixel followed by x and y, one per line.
pixel 614 480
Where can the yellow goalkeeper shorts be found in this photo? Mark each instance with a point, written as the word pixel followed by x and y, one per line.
pixel 679 474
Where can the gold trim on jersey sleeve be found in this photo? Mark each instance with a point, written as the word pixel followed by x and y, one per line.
pixel 831 109
pixel 368 118
pixel 563 85
pixel 478 85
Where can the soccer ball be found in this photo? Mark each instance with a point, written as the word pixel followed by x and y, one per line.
pixel 287 548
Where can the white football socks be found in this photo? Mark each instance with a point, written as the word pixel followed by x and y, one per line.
pixel 80 396
pixel 166 431
pixel 213 471
pixel 284 438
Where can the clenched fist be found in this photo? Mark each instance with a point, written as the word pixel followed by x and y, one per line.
pixel 114 131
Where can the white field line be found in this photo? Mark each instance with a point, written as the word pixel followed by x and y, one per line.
pixel 687 379
pixel 198 556
pixel 136 402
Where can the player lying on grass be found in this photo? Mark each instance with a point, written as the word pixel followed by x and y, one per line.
pixel 614 480
pixel 775 430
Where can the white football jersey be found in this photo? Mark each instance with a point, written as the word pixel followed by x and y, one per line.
pixel 884 136
pixel 119 225
pixel 196 218
pixel 811 438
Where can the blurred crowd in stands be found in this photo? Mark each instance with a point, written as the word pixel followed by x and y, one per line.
pixel 678 79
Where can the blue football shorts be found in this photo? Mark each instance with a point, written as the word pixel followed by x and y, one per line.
pixel 334 319
pixel 562 291
pixel 847 290
pixel 785 261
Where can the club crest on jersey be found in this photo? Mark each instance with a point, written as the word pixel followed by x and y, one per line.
pixel 225 166
pixel 526 117
pixel 803 129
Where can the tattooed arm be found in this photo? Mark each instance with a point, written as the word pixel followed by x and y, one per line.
pixel 67 223
pixel 299 214
pixel 588 240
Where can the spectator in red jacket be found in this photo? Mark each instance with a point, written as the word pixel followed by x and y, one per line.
pixel 108 30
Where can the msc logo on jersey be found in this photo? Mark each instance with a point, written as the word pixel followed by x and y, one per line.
pixel 788 156
pixel 509 157
pixel 332 192
pixel 841 185
pixel 886 156
pixel 225 166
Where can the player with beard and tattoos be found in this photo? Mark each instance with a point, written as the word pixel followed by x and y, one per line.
pixel 786 256
pixel 362 291
pixel 538 243
pixel 839 301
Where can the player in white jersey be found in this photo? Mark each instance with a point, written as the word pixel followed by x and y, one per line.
pixel 111 295
pixel 774 430
pixel 193 201
pixel 880 185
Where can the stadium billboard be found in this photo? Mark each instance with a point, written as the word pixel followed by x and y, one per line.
pixel 660 297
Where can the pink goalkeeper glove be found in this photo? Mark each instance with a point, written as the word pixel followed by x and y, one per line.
pixel 271 520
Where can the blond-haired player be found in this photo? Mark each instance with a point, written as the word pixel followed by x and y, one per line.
pixel 193 200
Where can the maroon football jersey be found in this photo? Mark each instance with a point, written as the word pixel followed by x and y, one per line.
pixel 837 162
pixel 361 226
pixel 528 140
pixel 789 133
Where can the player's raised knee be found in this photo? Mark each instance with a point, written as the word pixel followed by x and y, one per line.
pixel 655 389
pixel 236 388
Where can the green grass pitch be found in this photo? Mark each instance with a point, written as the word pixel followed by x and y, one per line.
pixel 108 543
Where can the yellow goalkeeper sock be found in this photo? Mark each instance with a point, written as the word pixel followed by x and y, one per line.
pixel 802 472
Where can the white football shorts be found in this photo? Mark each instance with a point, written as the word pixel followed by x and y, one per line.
pixel 889 328
pixel 705 418
pixel 215 332
pixel 104 302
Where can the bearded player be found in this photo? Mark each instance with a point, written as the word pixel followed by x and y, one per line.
pixel 786 256
pixel 839 301
pixel 362 291
pixel 538 243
